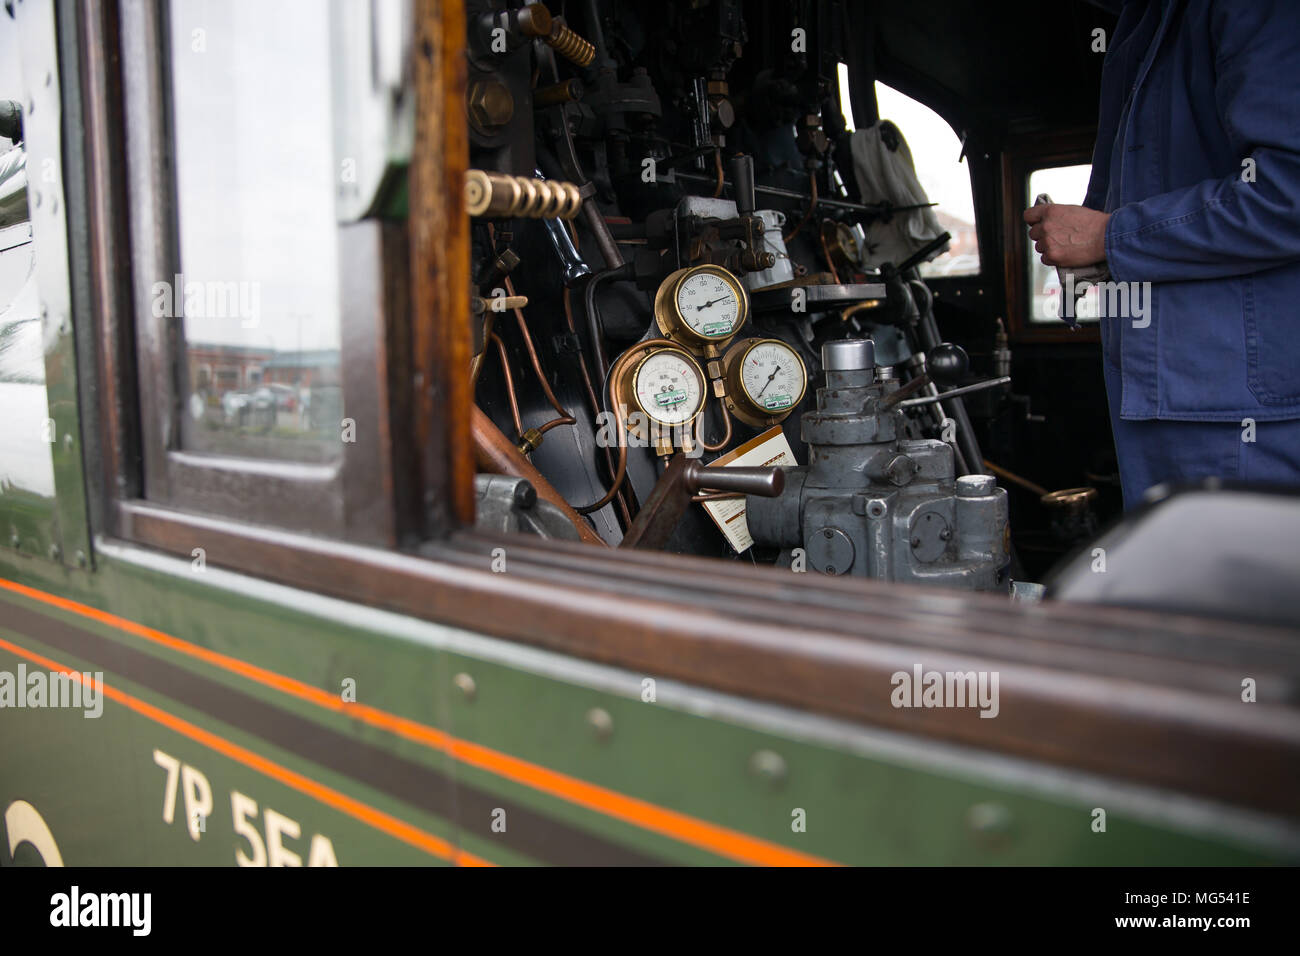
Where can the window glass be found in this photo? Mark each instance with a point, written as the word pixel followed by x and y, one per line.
pixel 1064 184
pixel 257 293
pixel 936 152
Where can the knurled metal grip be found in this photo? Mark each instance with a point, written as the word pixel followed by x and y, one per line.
pixel 535 20
pixel 499 196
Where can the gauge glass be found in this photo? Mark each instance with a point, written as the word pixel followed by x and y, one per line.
pixel 709 305
pixel 669 387
pixel 773 376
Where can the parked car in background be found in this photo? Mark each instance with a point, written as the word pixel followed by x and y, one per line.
pixel 254 409
pixel 286 397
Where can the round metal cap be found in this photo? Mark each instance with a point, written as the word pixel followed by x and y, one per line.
pixel 976 486
pixel 848 355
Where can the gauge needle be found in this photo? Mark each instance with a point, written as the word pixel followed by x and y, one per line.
pixel 768 382
pixel 701 308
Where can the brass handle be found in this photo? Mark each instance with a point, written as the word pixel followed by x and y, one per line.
pixel 499 196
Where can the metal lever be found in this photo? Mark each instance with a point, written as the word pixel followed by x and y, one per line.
pixel 570 260
pixel 682 478
pixel 916 258
pixel 764 482
pixel 952 393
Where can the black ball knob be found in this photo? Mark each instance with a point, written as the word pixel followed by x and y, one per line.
pixel 948 363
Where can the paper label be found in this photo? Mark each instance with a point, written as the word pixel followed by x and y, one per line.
pixel 762 451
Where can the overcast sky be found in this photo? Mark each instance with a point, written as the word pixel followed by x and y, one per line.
pixel 935 147
pixel 255 165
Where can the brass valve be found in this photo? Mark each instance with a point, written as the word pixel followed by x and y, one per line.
pixel 499 196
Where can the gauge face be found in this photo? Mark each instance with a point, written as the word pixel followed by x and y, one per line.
pixel 669 387
pixel 773 376
pixel 709 304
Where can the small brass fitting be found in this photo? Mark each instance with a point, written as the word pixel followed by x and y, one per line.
pixel 532 439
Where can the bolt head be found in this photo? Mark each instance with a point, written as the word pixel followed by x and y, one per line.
pixel 769 766
pixel 465 684
pixel 599 720
pixel 491 104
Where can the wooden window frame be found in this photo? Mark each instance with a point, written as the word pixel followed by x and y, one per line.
pixel 348 498
pixel 1020 158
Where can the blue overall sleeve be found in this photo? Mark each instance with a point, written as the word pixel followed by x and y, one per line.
pixel 1230 226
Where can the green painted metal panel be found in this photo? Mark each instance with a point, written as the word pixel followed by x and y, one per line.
pixel 748 768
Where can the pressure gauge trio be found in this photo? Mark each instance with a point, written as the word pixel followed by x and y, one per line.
pixel 698 311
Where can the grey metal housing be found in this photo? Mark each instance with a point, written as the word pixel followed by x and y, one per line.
pixel 873 504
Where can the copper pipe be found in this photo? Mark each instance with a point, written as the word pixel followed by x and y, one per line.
pixel 812 204
pixel 554 423
pixel 496 455
pixel 717 161
pixel 476 363
pixel 1015 479
pixel 826 251
pixel 726 438
pixel 532 357
pixel 621 472
pixel 510 382
pixel 859 307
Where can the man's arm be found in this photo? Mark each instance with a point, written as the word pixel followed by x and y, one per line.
pixel 1226 227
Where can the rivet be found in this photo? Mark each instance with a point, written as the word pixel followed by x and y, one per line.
pixel 466 685
pixel 989 822
pixel 601 722
pixel 769 766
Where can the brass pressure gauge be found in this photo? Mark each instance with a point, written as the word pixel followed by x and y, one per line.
pixel 765 378
pixel 667 386
pixel 701 307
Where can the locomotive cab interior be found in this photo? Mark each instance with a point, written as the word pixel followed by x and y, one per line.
pixel 699 231
pixel 714 278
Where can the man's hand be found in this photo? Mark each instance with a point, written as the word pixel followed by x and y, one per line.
pixel 1069 236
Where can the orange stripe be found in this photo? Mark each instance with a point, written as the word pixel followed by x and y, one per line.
pixel 363 812
pixel 723 841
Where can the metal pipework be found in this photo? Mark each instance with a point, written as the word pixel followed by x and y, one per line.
pixel 499 196
pixel 570 91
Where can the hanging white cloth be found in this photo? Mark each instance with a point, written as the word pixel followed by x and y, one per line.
pixel 888 175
